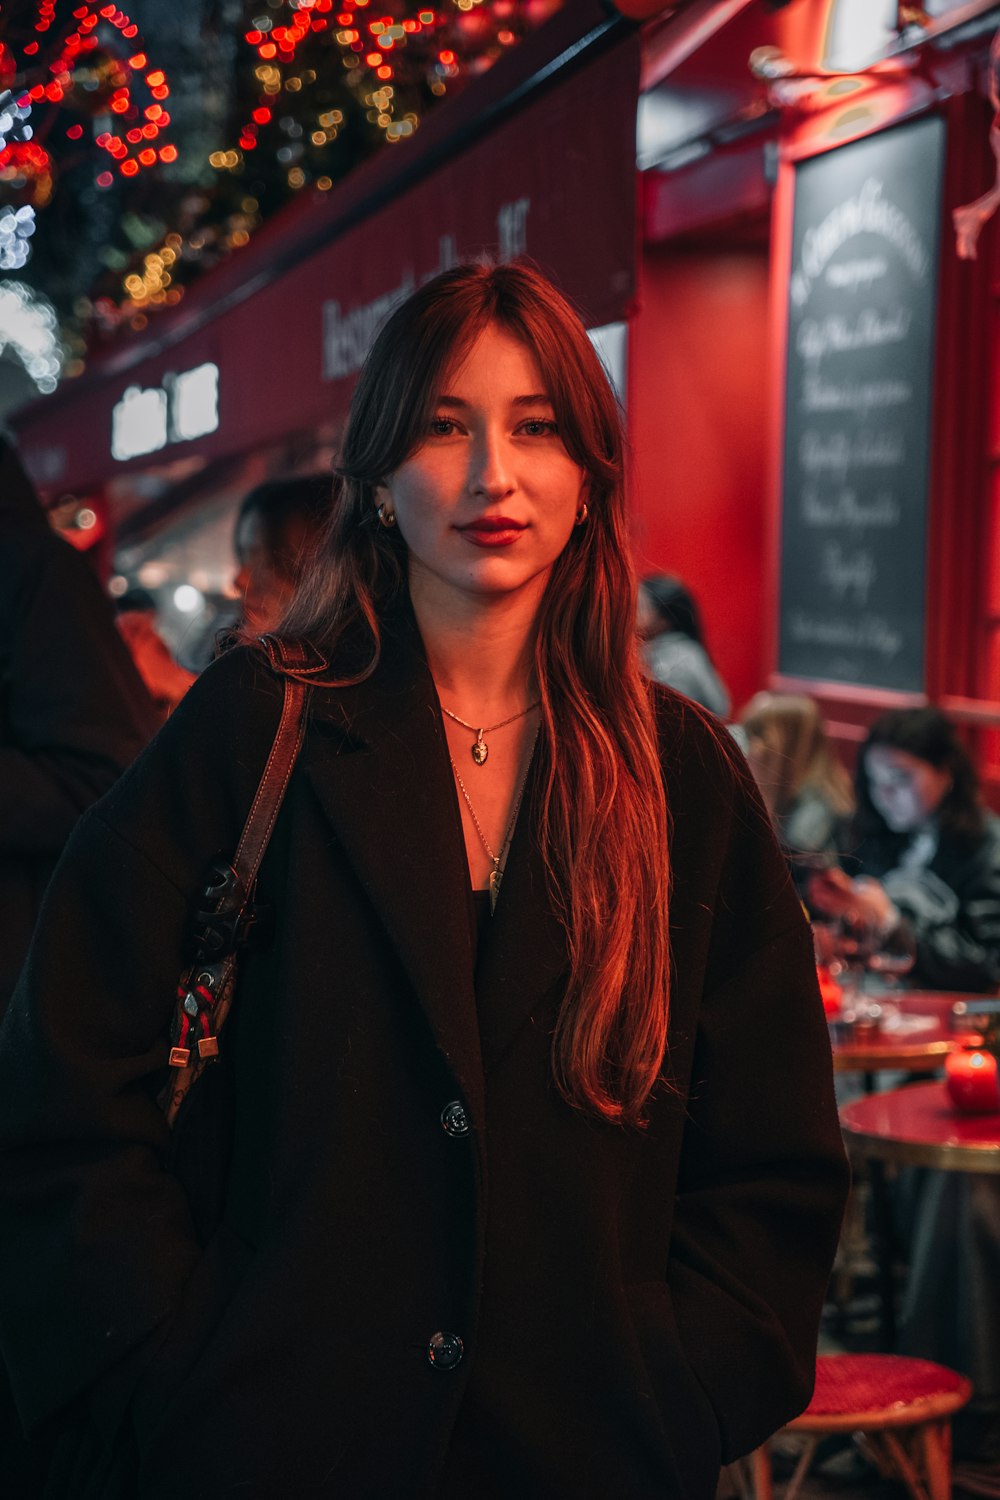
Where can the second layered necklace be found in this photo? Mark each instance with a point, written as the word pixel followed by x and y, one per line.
pixel 480 751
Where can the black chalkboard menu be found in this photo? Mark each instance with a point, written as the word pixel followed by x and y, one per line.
pixel 857 409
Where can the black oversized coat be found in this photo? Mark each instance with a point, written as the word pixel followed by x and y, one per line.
pixel 610 1311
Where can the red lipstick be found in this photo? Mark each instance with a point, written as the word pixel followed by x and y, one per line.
pixel 492 531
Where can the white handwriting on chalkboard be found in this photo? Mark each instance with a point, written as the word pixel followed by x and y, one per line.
pixel 848 572
pixel 851 275
pixel 869 633
pixel 868 212
pixel 845 509
pixel 859 395
pixel 835 335
pixel 837 453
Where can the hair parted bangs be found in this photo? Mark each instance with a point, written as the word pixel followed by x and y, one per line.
pixel 601 812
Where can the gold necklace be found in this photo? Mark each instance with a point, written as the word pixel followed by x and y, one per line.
pixel 496 874
pixel 480 749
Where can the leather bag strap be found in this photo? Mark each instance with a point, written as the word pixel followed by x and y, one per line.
pixel 288 656
pixel 205 992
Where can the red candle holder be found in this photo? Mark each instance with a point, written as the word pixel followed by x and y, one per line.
pixel 971 1079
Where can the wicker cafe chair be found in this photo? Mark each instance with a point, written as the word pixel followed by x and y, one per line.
pixel 900 1411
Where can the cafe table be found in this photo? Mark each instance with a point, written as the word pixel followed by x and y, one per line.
pixel 916 1037
pixel 917 1126
pixel 913 1126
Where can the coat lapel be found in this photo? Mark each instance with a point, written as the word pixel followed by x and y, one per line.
pixel 378 762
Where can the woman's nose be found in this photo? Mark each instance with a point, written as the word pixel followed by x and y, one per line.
pixel 490 473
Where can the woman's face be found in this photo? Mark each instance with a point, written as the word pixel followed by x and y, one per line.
pixel 489 499
pixel 905 790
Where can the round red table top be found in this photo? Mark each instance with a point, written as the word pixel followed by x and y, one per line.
pixel 918 1126
pixel 917 1034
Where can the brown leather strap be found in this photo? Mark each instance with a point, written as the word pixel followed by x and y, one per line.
pixel 288 657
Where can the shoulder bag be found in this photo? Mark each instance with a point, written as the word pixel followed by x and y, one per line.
pixel 226 916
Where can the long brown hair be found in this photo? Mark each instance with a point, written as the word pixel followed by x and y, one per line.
pixel 601 808
pixel 790 751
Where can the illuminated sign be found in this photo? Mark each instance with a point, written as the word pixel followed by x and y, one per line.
pixel 184 407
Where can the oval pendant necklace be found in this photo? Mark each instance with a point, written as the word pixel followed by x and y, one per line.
pixel 480 750
pixel 496 860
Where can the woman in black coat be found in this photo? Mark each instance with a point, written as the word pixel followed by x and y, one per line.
pixel 512 1179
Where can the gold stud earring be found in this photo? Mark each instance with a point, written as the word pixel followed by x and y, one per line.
pixel 582 513
pixel 386 516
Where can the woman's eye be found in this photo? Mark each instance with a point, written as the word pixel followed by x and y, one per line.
pixel 442 427
pixel 539 427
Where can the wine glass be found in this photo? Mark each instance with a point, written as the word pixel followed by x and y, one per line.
pixel 854 942
pixel 893 957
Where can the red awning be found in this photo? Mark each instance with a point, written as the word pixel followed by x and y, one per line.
pixel 546 169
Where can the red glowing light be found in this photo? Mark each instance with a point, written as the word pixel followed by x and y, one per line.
pixel 384 71
pixel 373 59
pixel 75 132
pixel 345 18
pixel 31 49
pixel 168 153
pixel 153 111
pixel 80 14
pixel 247 142
pixel 134 136
pixel 254 37
pixel 160 93
pixel 147 157
pixel 103 139
pixel 156 78
pixel 129 168
pixel 104 180
pixel 138 61
pixel 262 116
pixel 150 132
pixel 268 50
pixel 130 32
pixel 119 106
pixel 447 57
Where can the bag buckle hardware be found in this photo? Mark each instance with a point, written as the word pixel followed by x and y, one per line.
pixel 195 1024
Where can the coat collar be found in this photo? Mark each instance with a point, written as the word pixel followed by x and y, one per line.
pixel 377 759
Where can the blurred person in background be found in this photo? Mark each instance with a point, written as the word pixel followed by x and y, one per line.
pixel 73 710
pixel 807 791
pixel 927 852
pixel 166 681
pixel 674 649
pixel 277 530
pixel 73 714
pixel 929 855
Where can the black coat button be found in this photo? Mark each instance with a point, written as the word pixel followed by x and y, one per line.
pixel 454 1118
pixel 445 1350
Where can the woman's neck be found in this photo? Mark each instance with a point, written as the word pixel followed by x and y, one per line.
pixel 480 652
